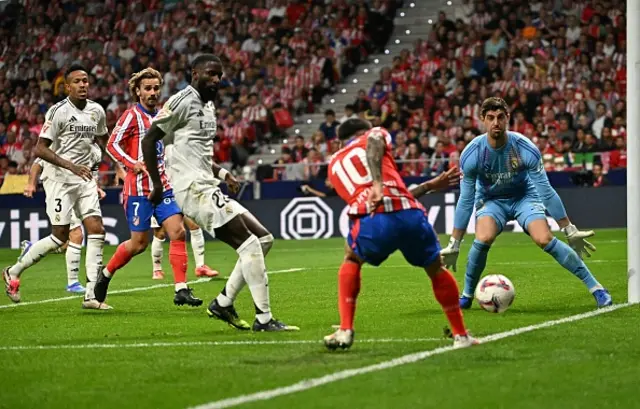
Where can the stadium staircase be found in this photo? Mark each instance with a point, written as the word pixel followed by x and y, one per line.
pixel 411 24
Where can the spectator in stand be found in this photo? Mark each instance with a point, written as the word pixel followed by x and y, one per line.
pixel 618 157
pixel 256 115
pixel 601 120
pixel 312 164
pixel 349 113
pixel 599 179
pixel 329 126
pixel 299 151
pixel 4 166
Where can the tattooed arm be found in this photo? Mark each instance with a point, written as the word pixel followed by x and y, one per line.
pixel 375 151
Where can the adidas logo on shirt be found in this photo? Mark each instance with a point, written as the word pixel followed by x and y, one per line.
pixel 72 119
pixel 200 113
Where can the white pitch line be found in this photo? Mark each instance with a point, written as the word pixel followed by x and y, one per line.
pixel 127 290
pixel 306 249
pixel 206 343
pixel 311 383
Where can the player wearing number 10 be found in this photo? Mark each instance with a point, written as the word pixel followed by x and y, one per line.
pixel 384 217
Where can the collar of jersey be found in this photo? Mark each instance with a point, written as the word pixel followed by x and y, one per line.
pixel 141 108
pixel 194 90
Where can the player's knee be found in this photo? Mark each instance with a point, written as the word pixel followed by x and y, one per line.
pixel 177 233
pixel 61 233
pixel 435 268
pixel 75 236
pixel 486 237
pixel 93 225
pixel 191 225
pixel 159 234
pixel 542 239
pixel 266 242
pixel 138 242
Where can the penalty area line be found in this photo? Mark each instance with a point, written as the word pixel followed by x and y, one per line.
pixel 131 290
pixel 208 343
pixel 311 383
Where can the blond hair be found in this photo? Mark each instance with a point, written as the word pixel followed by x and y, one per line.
pixel 147 73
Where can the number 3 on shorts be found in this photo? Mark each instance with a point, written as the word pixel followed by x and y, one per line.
pixel 58 207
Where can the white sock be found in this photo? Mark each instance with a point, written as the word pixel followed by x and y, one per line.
pixel 255 275
pixel 236 281
pixel 234 284
pixel 36 252
pixel 157 252
pixel 197 246
pixel 73 256
pixel 93 263
pixel 180 286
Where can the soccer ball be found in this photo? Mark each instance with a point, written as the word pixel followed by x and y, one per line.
pixel 495 293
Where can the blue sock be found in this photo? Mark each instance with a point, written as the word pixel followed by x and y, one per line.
pixel 476 262
pixel 569 259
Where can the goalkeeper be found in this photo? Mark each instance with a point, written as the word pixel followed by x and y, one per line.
pixel 504 175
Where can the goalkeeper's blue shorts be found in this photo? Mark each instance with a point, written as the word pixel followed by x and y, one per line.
pixel 524 210
pixel 375 238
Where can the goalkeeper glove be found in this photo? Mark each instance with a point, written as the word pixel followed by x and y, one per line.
pixel 450 253
pixel 576 239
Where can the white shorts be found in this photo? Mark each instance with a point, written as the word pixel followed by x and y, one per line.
pixel 66 200
pixel 75 221
pixel 208 206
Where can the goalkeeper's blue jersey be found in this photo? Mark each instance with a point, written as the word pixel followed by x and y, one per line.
pixel 513 171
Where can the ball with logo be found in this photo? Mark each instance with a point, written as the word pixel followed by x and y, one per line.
pixel 495 293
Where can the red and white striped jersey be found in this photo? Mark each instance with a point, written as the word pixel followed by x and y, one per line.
pixel 351 177
pixel 125 146
pixel 308 77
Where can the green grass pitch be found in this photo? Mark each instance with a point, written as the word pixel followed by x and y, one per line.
pixel 573 365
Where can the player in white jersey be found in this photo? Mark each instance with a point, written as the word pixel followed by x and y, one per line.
pixel 73 248
pixel 65 142
pixel 188 120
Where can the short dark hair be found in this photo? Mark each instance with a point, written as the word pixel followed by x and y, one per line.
pixel 74 68
pixel 350 127
pixel 329 112
pixel 493 104
pixel 202 59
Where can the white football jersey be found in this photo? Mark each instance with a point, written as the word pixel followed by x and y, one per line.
pixel 72 132
pixel 96 158
pixel 190 127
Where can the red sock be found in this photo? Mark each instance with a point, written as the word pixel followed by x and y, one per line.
pixel 119 259
pixel 348 289
pixel 446 291
pixel 178 260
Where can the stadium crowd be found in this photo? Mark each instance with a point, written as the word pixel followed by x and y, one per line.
pixel 281 58
pixel 560 65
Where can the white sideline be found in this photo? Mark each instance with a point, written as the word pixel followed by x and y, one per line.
pixel 206 343
pixel 128 290
pixel 403 360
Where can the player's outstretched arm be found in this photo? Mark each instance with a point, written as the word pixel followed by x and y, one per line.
pixel 44 152
pixel 553 203
pixel 443 181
